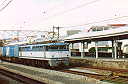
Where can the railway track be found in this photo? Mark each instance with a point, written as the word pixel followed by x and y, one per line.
pixel 115 72
pixel 20 78
pixel 117 75
pixel 116 79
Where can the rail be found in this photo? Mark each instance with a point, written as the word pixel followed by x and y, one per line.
pixel 20 78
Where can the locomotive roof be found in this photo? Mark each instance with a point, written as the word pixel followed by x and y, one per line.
pixel 47 44
pixel 50 42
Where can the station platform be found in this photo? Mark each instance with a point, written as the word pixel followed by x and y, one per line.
pixel 101 62
pixel 49 76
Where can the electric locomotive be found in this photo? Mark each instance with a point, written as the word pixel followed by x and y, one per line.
pixel 48 54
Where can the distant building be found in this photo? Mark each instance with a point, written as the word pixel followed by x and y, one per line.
pixel 71 32
pixel 107 27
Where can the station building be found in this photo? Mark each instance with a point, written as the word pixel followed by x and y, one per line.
pixel 101 46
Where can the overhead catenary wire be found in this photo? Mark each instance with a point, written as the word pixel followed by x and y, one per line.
pixel 57 6
pixel 72 9
pixel 2 3
pixel 1 9
pixel 96 22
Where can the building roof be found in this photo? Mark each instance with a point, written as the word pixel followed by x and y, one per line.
pixel 117 33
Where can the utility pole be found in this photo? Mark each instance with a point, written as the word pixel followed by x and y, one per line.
pixel 53 31
pixel 58 31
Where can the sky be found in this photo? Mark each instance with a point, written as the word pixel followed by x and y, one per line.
pixel 43 14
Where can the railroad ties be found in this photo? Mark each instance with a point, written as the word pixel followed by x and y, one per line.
pixel 115 76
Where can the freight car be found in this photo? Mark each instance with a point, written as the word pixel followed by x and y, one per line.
pixel 42 55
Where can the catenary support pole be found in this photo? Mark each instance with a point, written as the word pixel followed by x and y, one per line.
pixel 72 47
pixel 96 48
pixel 113 54
pixel 115 49
pixel 82 49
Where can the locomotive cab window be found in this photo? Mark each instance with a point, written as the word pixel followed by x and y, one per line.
pixel 56 48
pixel 51 48
pixel 24 48
pixel 38 48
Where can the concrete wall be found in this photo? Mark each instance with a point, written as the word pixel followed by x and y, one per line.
pixel 107 63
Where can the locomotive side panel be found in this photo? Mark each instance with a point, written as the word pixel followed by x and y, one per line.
pixel 57 54
pixel 31 53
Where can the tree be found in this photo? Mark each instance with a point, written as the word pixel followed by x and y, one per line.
pixel 1 43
